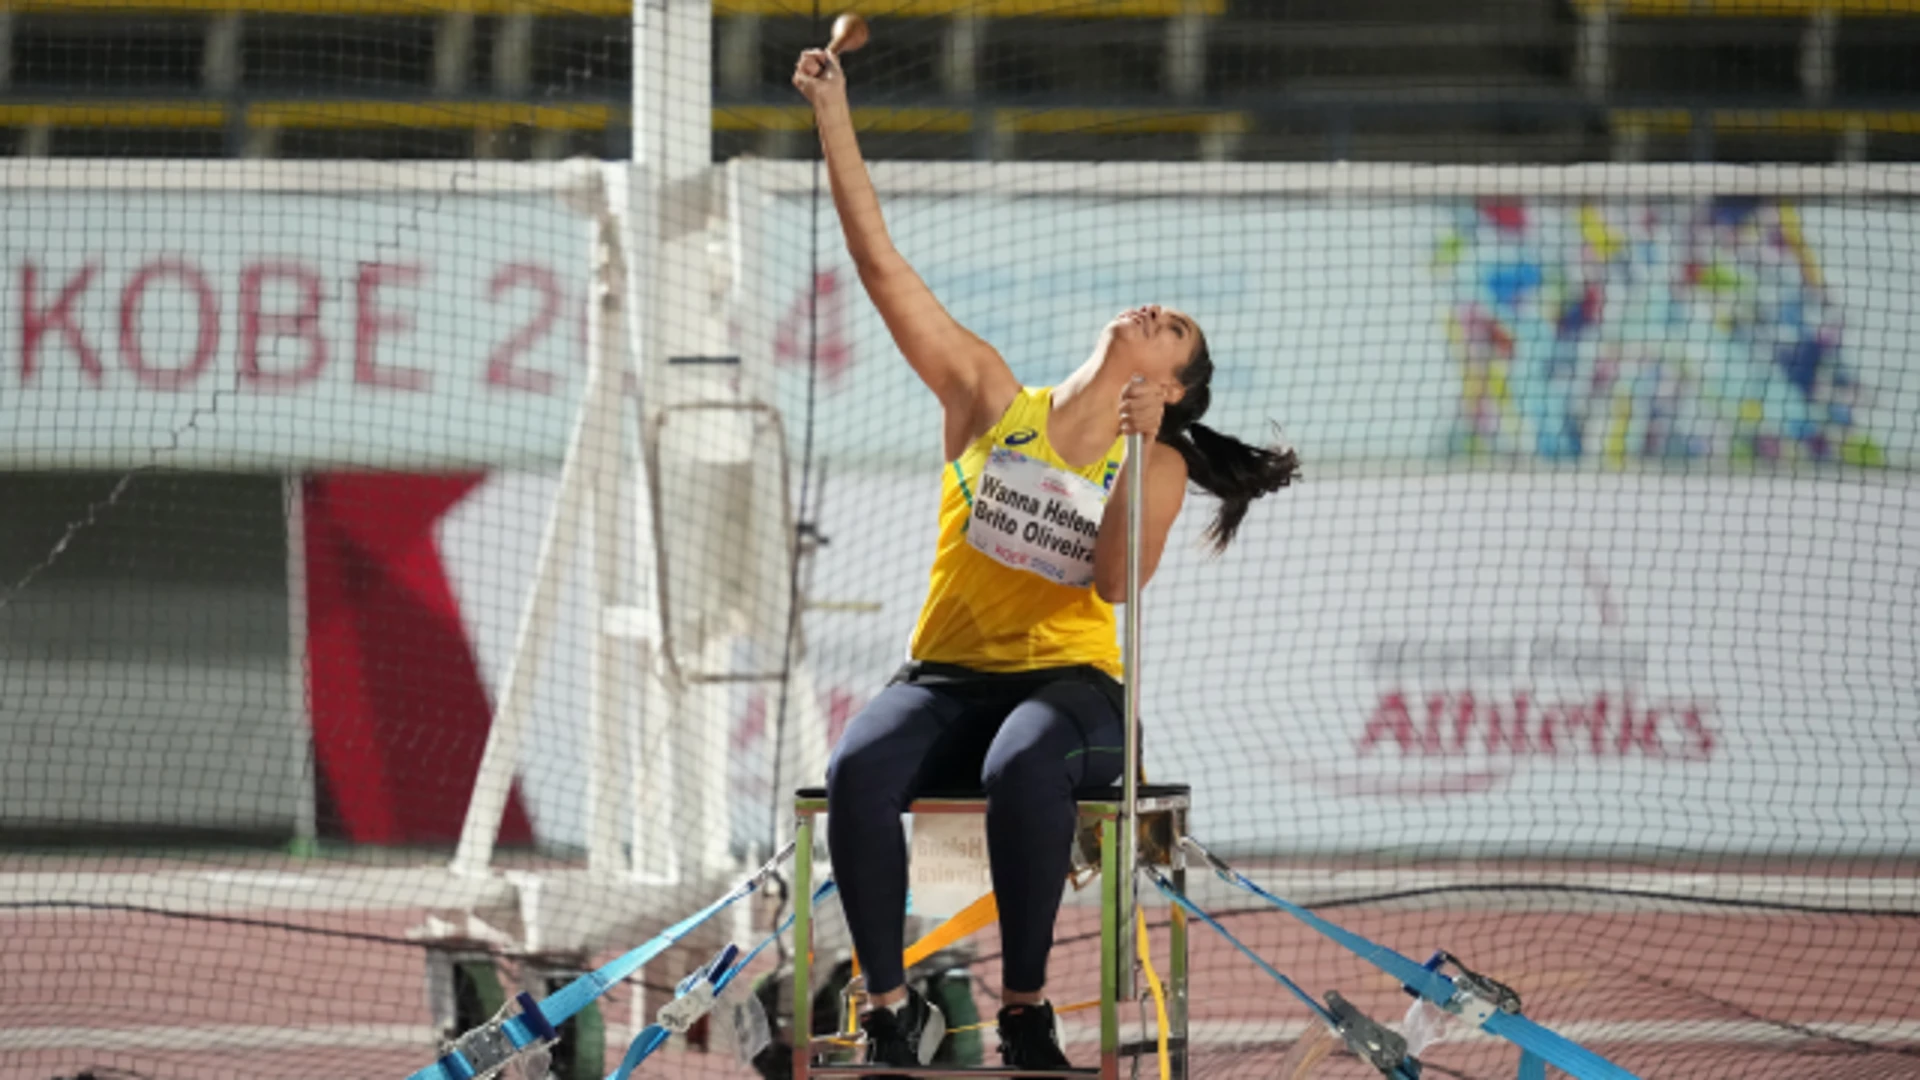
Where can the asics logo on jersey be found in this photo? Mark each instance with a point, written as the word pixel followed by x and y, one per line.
pixel 1022 437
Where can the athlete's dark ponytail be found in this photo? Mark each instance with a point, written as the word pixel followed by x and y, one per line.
pixel 1223 466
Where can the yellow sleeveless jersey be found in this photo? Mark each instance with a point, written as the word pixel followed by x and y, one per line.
pixel 1012 582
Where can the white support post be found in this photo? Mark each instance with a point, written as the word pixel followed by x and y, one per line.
pixel 740 54
pixel 673 198
pixel 605 852
pixel 1854 148
pixel 513 54
pixel 501 759
pixel 263 141
pixel 549 144
pixel 672 98
pixel 592 450
pixel 657 846
pixel 1593 56
pixel 1816 54
pixel 1629 144
pixel 1186 55
pixel 306 826
pixel 452 52
pixel 798 748
pixel 220 66
pixel 1005 140
pixel 705 730
pixel 960 55
pixel 1222 140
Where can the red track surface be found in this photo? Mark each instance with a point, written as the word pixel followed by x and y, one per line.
pixel 1645 989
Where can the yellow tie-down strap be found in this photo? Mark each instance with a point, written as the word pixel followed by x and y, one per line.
pixel 1159 994
pixel 971 919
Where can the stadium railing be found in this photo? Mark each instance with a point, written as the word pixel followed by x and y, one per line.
pixel 460 109
pixel 1809 29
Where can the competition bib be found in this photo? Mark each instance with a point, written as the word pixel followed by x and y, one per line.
pixel 1031 516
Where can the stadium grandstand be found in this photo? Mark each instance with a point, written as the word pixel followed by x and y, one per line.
pixel 1540 81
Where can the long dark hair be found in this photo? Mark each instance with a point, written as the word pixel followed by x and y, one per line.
pixel 1223 466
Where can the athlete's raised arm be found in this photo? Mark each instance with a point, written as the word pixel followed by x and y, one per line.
pixel 972 382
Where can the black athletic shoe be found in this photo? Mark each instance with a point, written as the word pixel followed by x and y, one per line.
pixel 1029 1040
pixel 907 1038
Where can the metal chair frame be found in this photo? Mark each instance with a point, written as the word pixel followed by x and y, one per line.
pixel 1098 809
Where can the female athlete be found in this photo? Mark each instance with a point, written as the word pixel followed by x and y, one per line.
pixel 1013 683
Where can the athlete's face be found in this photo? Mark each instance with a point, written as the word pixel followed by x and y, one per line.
pixel 1154 342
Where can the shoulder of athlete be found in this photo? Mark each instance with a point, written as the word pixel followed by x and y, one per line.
pixel 980 409
pixel 994 393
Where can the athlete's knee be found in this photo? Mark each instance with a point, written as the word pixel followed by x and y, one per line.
pixel 1032 772
pixel 1039 746
pixel 864 773
pixel 851 773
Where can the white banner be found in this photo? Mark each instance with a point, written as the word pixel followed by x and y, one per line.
pixel 1534 664
pixel 442 324
pixel 241 330
pixel 1631 577
pixel 1603 331
pixel 1555 665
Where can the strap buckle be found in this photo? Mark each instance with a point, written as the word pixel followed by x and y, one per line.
pixel 1372 1042
pixel 488 1048
pixel 1479 996
pixel 479 1053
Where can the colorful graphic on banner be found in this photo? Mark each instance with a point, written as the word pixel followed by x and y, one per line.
pixel 1668 331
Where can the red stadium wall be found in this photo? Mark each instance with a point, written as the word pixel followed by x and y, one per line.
pixel 400 714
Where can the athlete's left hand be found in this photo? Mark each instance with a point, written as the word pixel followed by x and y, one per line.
pixel 1142 404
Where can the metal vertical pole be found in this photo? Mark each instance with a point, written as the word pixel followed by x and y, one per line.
pixel 1177 970
pixel 1128 825
pixel 802 945
pixel 1111 937
pixel 306 810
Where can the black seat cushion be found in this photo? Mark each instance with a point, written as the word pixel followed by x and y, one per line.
pixel 1099 794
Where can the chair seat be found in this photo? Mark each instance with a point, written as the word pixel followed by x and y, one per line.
pixel 1099 794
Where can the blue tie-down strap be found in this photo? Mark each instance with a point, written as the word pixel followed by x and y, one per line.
pixel 1481 1001
pixel 1371 1042
pixel 696 994
pixel 482 1052
pixel 692 999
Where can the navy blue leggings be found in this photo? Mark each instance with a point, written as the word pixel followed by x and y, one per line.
pixel 1029 740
